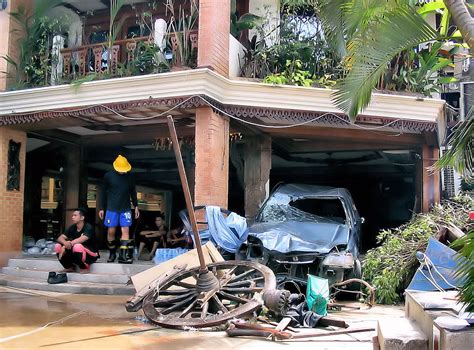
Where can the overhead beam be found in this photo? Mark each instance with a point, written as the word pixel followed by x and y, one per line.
pixel 338 134
pixel 138 135
pixel 311 146
pixel 57 136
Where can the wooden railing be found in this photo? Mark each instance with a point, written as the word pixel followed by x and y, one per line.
pixel 94 58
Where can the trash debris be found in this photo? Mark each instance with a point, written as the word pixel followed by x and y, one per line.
pixel 239 329
pixel 41 246
pixel 437 266
pixel 317 295
pixel 225 229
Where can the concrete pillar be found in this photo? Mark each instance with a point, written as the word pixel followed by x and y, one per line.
pixel 211 158
pixel 9 42
pixel 72 172
pixel 11 202
pixel 257 165
pixel 213 40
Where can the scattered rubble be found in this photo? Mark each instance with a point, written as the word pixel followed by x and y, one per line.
pixel 40 247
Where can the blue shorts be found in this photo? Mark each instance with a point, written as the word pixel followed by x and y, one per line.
pixel 113 218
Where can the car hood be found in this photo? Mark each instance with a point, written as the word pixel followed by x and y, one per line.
pixel 295 236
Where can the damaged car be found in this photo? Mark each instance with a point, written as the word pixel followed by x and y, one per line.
pixel 307 229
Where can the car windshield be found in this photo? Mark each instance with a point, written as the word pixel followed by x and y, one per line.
pixel 305 209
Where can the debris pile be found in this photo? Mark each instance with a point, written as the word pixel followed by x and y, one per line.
pixel 391 266
pixel 40 247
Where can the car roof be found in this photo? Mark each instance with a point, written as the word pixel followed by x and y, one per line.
pixel 303 190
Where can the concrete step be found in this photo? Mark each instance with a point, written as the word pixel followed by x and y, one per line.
pixel 400 334
pixel 42 275
pixel 69 287
pixel 98 267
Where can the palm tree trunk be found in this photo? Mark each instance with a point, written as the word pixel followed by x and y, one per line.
pixel 463 20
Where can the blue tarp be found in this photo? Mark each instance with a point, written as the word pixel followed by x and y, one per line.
pixel 227 232
pixel 440 266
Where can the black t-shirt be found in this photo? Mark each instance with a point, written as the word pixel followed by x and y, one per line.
pixel 117 190
pixel 87 230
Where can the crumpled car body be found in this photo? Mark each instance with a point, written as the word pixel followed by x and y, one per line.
pixel 307 229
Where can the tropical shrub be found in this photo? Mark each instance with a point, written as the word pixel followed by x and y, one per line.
pixel 300 38
pixel 292 75
pixel 36 32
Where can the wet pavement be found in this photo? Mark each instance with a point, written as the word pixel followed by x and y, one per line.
pixel 46 320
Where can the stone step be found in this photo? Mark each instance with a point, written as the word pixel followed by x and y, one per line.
pixel 98 267
pixel 69 287
pixel 42 275
pixel 400 334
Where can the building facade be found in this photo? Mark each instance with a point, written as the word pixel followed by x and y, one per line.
pixel 239 137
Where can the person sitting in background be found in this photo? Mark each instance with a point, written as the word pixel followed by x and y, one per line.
pixel 153 238
pixel 77 247
pixel 178 238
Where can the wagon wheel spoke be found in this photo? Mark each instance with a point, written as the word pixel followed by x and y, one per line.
pixel 219 304
pixel 174 291
pixel 205 308
pixel 188 309
pixel 243 290
pixel 245 282
pixel 173 300
pixel 178 305
pixel 243 275
pixel 232 297
pixel 184 284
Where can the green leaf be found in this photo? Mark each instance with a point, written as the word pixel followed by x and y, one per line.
pixel 444 25
pixel 398 30
pixel 447 80
pixel 435 6
pixel 460 149
pixel 248 21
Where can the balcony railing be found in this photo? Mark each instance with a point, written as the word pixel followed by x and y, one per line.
pixel 94 58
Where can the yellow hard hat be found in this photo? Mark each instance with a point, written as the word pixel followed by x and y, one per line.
pixel 122 165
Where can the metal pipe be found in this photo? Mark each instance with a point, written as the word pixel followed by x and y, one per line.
pixel 187 193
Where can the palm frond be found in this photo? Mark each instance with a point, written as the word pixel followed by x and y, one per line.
pixel 460 153
pixel 465 269
pixel 369 55
pixel 332 14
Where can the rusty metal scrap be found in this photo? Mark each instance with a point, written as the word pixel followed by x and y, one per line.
pixel 371 299
pixel 238 329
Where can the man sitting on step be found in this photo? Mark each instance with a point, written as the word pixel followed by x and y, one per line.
pixel 77 246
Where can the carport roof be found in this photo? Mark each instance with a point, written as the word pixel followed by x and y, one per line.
pixel 151 94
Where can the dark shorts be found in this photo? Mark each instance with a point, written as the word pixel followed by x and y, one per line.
pixel 113 219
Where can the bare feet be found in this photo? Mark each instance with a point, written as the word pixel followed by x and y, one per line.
pixel 84 271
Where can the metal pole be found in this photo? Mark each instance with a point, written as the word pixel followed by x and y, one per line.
pixel 187 194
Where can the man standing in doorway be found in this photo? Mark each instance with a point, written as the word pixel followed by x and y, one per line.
pixel 117 190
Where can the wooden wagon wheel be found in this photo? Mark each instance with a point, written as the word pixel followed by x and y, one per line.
pixel 179 301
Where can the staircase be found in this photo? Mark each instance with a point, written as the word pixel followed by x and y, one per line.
pixel 31 272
